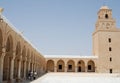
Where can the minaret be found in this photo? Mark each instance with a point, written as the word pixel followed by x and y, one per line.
pixel 106 42
pixel 105 20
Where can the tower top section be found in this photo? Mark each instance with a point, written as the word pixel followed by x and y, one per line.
pixel 105 21
pixel 104 7
pixel 105 13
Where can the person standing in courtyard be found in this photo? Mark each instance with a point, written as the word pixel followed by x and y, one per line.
pixel 34 75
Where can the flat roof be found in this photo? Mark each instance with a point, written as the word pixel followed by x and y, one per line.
pixel 69 56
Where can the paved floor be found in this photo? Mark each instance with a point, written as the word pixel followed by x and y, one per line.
pixel 77 78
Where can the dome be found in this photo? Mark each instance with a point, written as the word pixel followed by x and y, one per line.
pixel 104 7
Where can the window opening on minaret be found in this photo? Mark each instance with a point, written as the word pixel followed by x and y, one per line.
pixel 110 49
pixel 106 16
pixel 110 59
pixel 109 39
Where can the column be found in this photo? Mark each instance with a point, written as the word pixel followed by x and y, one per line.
pixel 86 67
pixel 25 69
pixel 55 67
pixel 28 66
pixel 1 68
pixel 12 67
pixel 75 68
pixel 35 67
pixel 1 65
pixel 19 68
pixel 65 66
pixel 32 67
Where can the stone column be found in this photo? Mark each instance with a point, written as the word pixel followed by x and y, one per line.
pixel 28 66
pixel 1 68
pixel 1 65
pixel 86 69
pixel 32 67
pixel 25 69
pixel 75 68
pixel 35 67
pixel 66 66
pixel 12 67
pixel 19 68
pixel 55 67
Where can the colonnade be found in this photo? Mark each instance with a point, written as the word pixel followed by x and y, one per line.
pixel 17 55
pixel 70 66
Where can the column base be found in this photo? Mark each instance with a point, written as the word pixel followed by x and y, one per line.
pixel 11 81
pixel 18 80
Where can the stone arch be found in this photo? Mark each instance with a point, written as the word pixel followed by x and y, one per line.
pixel 7 58
pixel 91 66
pixel 70 66
pixel 81 66
pixel 17 59
pixel 60 66
pixel 50 66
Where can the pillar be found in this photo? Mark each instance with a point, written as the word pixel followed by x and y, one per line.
pixel 35 67
pixel 32 67
pixel 28 66
pixel 12 67
pixel 25 69
pixel 1 68
pixel 1 65
pixel 55 67
pixel 65 66
pixel 19 68
pixel 86 69
pixel 75 68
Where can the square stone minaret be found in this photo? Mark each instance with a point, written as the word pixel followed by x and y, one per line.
pixel 106 42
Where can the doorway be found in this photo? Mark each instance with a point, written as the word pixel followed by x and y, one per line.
pixel 79 69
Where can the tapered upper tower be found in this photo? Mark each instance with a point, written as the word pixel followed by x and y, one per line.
pixel 105 20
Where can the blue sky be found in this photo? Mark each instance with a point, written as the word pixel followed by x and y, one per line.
pixel 58 27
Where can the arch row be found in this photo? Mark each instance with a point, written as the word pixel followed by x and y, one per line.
pixel 70 66
pixel 18 57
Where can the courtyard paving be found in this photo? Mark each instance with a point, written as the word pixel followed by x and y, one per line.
pixel 77 78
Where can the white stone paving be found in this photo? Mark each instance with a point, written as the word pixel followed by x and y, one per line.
pixel 78 78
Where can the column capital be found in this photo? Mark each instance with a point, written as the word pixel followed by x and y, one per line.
pixel 20 57
pixel 3 49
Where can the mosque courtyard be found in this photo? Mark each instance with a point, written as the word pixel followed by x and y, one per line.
pixel 78 78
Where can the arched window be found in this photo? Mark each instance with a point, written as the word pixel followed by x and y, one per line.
pixel 106 16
